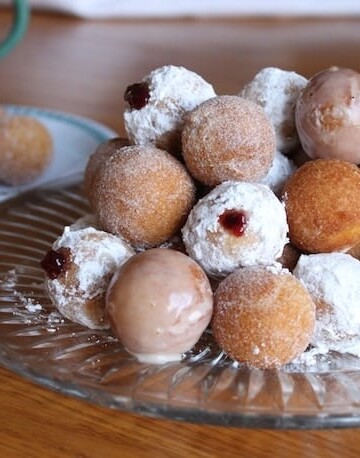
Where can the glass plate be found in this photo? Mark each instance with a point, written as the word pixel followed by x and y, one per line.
pixel 207 387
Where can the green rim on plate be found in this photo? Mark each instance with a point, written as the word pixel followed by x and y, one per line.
pixel 18 27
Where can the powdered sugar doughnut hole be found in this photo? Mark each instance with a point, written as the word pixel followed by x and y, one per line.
pixel 236 224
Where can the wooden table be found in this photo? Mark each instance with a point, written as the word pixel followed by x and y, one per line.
pixel 83 67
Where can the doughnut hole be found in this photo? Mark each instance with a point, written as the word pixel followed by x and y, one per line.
pixel 229 228
pixel 228 138
pixel 26 149
pixel 328 115
pixel 78 270
pixel 289 257
pixel 100 155
pixel 322 206
pixel 277 91
pixel 143 194
pixel 155 107
pixel 332 280
pixel 159 304
pixel 262 318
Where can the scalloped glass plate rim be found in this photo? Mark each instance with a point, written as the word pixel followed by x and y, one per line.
pixel 154 410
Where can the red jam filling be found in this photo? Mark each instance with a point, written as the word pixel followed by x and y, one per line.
pixel 55 262
pixel 234 221
pixel 137 95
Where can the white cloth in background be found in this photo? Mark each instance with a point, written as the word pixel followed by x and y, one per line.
pixel 105 9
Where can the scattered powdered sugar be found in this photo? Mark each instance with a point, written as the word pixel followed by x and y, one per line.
pixel 220 252
pixel 33 307
pixel 28 303
pixel 9 282
pixel 33 313
pixel 173 92
pixel 277 91
pixel 9 279
pixel 27 309
pixel 333 280
pixel 53 320
pixel 311 358
pixel 282 168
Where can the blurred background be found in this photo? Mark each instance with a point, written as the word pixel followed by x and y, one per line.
pixel 160 8
pixel 98 47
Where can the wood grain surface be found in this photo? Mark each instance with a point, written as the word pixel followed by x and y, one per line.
pixel 83 67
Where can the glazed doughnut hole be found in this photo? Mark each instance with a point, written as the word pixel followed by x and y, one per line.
pixel 328 115
pixel 159 304
pixel 289 257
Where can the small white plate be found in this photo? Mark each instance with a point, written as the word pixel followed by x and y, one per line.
pixel 75 138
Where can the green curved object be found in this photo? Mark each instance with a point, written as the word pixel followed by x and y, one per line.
pixel 18 28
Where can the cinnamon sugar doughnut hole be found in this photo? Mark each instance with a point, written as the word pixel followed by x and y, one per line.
pixel 262 317
pixel 26 149
pixel 228 138
pixel 143 194
pixel 101 154
pixel 322 206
